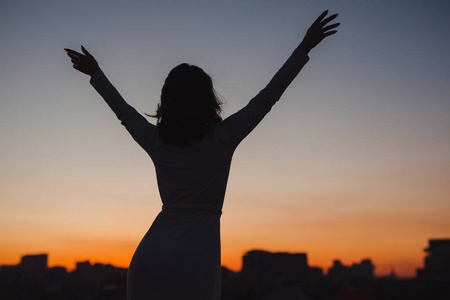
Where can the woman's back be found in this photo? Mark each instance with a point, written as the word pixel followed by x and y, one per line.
pixel 193 174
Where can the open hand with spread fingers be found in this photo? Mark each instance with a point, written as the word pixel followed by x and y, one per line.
pixel 84 63
pixel 318 31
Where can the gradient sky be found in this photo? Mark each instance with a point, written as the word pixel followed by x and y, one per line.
pixel 352 163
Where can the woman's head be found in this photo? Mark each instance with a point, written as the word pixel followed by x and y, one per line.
pixel 189 107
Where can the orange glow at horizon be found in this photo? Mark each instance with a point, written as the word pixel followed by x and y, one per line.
pixel 326 228
pixel 119 255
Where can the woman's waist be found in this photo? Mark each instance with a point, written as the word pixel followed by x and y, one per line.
pixel 192 206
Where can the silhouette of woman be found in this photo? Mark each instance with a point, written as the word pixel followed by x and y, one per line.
pixel 191 148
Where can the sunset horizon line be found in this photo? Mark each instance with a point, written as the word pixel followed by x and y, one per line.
pixel 93 262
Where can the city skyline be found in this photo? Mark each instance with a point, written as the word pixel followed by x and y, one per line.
pixel 32 258
pixel 265 275
pixel 352 162
pixel 433 243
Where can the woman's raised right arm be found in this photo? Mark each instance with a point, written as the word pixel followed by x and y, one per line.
pixel 139 128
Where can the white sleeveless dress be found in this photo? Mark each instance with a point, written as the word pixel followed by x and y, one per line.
pixel 179 256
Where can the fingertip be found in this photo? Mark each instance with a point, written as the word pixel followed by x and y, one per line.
pixel 85 51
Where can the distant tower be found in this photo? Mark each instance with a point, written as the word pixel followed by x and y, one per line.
pixel 392 276
pixel 437 261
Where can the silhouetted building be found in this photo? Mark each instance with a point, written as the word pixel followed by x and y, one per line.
pixel 391 277
pixel 32 279
pixel 365 270
pixel 34 267
pixel 232 285
pixel 315 274
pixel 100 274
pixel 357 274
pixel 34 263
pixel 437 261
pixel 338 272
pixel 82 266
pixel 266 271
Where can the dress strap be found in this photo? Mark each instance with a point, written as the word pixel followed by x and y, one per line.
pixel 196 206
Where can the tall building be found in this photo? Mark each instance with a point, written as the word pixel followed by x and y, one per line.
pixel 34 267
pixel 34 262
pixel 274 269
pixel 437 261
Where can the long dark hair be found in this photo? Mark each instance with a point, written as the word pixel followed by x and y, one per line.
pixel 189 106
